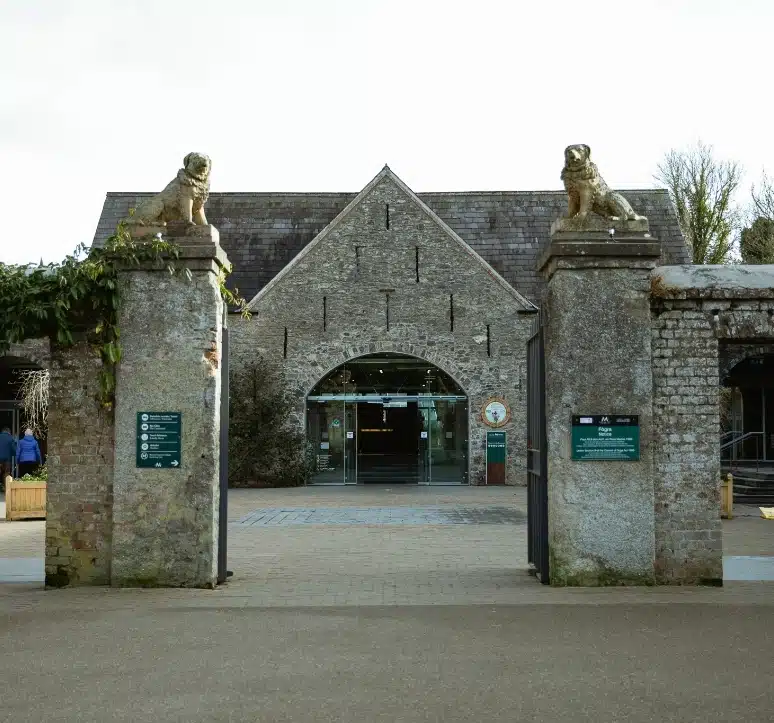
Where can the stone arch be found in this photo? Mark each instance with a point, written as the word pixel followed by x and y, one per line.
pixel 731 356
pixel 337 358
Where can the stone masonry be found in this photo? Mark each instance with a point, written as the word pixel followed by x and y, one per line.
pixel 363 258
pixel 79 521
pixel 165 521
pixel 694 309
pixel 598 362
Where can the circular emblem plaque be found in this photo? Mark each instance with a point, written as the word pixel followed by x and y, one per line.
pixel 495 412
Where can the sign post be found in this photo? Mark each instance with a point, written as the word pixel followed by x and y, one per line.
pixel 495 458
pixel 612 437
pixel 159 440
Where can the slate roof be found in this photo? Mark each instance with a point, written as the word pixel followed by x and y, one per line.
pixel 262 232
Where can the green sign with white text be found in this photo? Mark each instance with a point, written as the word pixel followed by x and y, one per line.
pixel 611 437
pixel 159 440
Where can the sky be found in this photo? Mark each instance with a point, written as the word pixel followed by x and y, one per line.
pixel 317 95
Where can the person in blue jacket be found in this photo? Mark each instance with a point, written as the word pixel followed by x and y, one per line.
pixel 27 454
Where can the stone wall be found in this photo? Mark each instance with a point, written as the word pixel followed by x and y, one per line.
pixel 693 309
pixel 79 522
pixel 687 425
pixel 166 519
pixel 37 351
pixel 353 268
pixel 598 362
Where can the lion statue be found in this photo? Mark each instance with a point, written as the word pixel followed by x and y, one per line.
pixel 182 200
pixel 587 190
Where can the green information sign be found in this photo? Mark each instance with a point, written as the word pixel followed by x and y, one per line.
pixel 495 458
pixel 606 437
pixel 159 439
pixel 495 447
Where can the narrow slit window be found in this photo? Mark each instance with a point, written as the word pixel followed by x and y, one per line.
pixel 357 261
pixel 488 342
pixel 416 261
pixel 451 312
pixel 285 345
pixel 387 311
pixel 387 216
pixel 325 313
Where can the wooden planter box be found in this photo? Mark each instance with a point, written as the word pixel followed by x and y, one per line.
pixel 24 500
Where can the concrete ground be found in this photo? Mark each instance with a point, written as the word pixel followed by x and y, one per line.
pixel 386 604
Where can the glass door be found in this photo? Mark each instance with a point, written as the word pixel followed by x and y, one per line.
pixel 350 443
pixel 325 432
pixel 443 444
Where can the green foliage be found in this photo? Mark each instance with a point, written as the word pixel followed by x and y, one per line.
pixel 702 190
pixel 757 242
pixel 80 296
pixel 41 475
pixel 266 446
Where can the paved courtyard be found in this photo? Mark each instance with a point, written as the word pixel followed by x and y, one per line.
pixel 384 604
pixel 375 545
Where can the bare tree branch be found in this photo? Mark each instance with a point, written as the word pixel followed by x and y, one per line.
pixel 702 190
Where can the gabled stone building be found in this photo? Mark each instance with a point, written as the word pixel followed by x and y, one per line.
pixel 396 316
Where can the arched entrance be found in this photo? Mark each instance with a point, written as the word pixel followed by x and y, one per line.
pixel 388 418
pixel 11 415
pixel 751 410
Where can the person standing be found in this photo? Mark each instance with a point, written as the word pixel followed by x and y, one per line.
pixel 27 454
pixel 7 452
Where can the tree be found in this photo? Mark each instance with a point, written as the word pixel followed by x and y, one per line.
pixel 266 446
pixel 702 190
pixel 756 242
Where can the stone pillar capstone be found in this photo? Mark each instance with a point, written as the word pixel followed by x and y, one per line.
pixel 165 510
pixel 598 363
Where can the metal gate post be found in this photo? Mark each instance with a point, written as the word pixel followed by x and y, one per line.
pixel 537 455
pixel 223 507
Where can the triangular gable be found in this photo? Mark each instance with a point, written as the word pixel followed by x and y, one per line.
pixel 454 237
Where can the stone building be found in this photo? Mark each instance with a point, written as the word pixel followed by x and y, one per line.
pixel 396 316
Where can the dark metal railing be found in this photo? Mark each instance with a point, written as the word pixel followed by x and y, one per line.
pixel 537 455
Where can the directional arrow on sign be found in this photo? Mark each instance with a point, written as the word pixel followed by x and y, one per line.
pixel 175 463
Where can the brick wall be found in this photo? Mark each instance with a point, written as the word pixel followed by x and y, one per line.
pixel 80 462
pixel 686 423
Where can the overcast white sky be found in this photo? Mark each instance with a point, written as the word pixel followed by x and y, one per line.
pixel 316 95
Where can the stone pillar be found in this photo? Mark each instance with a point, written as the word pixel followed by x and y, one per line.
pixel 598 362
pixel 79 494
pixel 166 520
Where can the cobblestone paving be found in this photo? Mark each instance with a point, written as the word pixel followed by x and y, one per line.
pixel 447 515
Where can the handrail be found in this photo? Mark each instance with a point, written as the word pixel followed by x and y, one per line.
pixel 744 436
pixel 759 437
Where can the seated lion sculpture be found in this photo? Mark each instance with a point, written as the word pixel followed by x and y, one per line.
pixel 182 200
pixel 587 190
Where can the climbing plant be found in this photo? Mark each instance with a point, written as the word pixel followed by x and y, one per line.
pixel 81 295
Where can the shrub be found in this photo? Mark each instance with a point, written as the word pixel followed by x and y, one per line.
pixel 266 445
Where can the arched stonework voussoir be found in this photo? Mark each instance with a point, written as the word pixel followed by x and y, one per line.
pixel 325 360
pixel 36 351
pixel 730 356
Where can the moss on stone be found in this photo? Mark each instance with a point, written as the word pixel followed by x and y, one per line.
pixel 60 578
pixel 562 575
